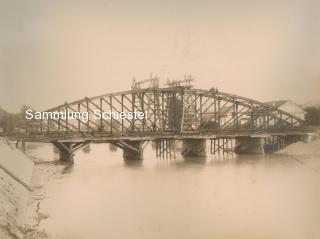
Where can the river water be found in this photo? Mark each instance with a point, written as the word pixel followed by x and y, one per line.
pixel 226 196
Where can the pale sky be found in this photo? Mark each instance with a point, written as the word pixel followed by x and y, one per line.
pixel 57 51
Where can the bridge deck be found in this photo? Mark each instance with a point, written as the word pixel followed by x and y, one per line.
pixel 102 137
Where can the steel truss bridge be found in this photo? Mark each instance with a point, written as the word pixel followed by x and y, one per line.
pixel 178 112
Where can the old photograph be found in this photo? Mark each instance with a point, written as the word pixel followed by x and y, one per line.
pixel 175 119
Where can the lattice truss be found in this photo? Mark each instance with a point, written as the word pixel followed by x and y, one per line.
pixel 168 110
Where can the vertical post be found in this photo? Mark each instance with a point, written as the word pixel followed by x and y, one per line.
pixel 233 114
pixel 268 119
pixel 87 102
pixel 237 116
pixel 142 109
pixel 264 119
pixel 227 143
pixel 172 148
pixel 215 109
pixel 195 110
pixel 231 144
pixel 200 113
pixel 182 116
pixel 155 111
pixel 223 145
pixel 101 126
pixel 218 145
pixel 79 129
pixel 219 114
pixel 163 113
pixel 59 123
pixel 122 111
pixel 111 120
pixel 67 122
pixel 132 106
pixel 273 142
pixel 167 149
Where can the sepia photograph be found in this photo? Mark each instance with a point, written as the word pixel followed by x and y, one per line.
pixel 177 119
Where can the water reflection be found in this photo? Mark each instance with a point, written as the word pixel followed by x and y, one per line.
pixel 133 163
pixel 218 196
pixel 86 148
pixel 113 147
pixel 67 169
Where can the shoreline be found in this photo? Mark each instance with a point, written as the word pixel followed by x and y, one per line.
pixel 16 171
pixel 31 229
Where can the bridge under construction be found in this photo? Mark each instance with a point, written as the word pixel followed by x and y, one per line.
pixel 175 112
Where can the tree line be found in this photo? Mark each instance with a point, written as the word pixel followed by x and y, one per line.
pixel 313 115
pixel 11 122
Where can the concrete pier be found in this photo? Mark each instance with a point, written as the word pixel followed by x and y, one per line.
pixel 132 150
pixel 67 149
pixel 66 155
pixel 193 148
pixel 249 145
pixel 308 138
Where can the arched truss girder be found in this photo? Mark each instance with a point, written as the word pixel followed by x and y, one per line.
pixel 169 110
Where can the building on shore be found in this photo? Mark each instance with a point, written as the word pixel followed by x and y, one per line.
pixel 289 107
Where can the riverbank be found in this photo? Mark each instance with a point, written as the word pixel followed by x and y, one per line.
pixel 57 189
pixel 16 171
pixel 251 194
pixel 302 149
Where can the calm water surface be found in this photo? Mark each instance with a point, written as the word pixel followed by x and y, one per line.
pixel 248 196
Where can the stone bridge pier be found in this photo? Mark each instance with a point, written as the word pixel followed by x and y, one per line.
pixel 249 145
pixel 194 148
pixel 266 144
pixel 307 138
pixel 132 150
pixel 67 150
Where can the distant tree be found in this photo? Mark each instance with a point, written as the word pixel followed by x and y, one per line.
pixel 21 117
pixel 7 121
pixel 313 115
pixel 10 122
